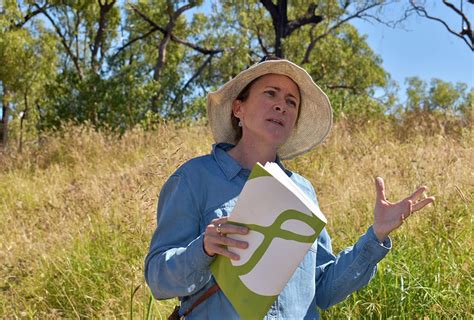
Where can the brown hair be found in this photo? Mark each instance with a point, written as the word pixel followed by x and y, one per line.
pixel 242 96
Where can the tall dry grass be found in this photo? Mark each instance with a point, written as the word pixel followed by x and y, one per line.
pixel 77 214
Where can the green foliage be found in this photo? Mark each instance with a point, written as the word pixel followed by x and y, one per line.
pixel 28 59
pixel 440 96
pixel 416 92
pixel 466 108
pixel 61 68
pixel 112 103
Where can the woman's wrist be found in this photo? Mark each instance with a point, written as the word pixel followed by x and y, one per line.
pixel 381 236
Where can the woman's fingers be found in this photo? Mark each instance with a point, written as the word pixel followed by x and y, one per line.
pixel 218 249
pixel 216 240
pixel 211 233
pixel 422 203
pixel 228 228
pixel 416 195
pixel 229 242
pixel 219 244
pixel 408 211
pixel 380 189
pixel 417 205
pixel 389 216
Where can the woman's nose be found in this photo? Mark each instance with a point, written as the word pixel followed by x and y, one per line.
pixel 277 107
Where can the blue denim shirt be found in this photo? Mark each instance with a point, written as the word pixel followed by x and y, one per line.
pixel 206 188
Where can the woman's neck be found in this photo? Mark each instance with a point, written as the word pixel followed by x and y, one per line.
pixel 247 154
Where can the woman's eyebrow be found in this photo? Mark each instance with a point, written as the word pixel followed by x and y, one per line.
pixel 278 89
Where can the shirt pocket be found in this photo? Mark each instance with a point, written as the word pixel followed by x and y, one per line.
pixel 222 210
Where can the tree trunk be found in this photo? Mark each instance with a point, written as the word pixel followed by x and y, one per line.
pixel 278 37
pixel 22 118
pixel 5 114
pixel 159 65
pixel 282 26
pixel 99 41
pixel 162 55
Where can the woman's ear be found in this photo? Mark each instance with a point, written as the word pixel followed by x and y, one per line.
pixel 237 108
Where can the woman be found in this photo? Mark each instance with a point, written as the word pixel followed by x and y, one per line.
pixel 271 111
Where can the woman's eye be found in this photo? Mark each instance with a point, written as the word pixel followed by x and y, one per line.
pixel 270 93
pixel 291 103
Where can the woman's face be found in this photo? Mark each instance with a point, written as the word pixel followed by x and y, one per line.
pixel 270 111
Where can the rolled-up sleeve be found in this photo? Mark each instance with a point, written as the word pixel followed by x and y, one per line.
pixel 176 264
pixel 338 276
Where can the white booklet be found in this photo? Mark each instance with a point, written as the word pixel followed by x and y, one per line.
pixel 284 222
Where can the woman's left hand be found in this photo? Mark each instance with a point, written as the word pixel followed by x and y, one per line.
pixel 389 216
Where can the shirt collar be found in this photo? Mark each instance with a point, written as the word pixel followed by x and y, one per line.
pixel 229 165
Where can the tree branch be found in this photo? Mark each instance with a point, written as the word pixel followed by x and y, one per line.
pixel 174 38
pixel 279 14
pixel 342 86
pixel 271 8
pixel 464 18
pixel 195 75
pixel 358 14
pixel 307 18
pixel 465 31
pixel 152 30
pixel 284 28
pixel 29 15
pixel 420 10
pixel 185 7
pixel 260 42
pixel 74 58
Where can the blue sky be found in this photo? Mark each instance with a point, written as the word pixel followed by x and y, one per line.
pixel 423 47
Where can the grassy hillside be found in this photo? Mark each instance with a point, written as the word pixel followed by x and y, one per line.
pixel 77 214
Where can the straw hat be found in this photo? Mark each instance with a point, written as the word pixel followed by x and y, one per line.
pixel 314 121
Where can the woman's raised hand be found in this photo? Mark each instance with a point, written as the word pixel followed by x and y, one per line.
pixel 389 216
pixel 216 240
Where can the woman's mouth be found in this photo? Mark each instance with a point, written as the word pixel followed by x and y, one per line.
pixel 276 121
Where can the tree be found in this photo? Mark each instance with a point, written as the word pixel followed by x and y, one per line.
pixel 440 96
pixel 284 27
pixel 250 39
pixel 417 95
pixel 333 52
pixel 333 14
pixel 85 30
pixel 169 34
pixel 466 108
pixel 27 60
pixel 122 64
pixel 174 12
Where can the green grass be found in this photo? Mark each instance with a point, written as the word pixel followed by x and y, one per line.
pixel 78 211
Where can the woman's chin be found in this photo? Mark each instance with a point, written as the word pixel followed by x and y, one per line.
pixel 276 140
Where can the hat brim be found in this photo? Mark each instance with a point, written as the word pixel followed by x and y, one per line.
pixel 314 121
